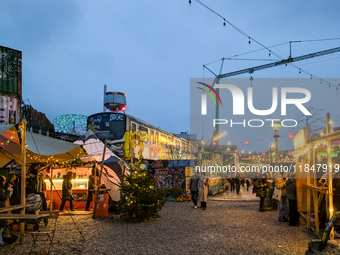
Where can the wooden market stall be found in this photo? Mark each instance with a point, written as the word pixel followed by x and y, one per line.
pixel 317 165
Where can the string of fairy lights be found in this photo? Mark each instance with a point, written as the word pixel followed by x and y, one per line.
pixel 270 51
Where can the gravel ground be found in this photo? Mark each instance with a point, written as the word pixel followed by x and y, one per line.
pixel 224 228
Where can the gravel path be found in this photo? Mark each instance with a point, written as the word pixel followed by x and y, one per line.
pixel 224 228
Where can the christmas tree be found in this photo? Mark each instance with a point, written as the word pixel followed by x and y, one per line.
pixel 140 199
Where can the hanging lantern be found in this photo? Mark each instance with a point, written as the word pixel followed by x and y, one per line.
pixel 246 142
pixel 236 150
pixel 291 136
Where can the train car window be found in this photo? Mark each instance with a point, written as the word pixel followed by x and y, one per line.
pixel 163 139
pixel 144 132
pixel 171 141
pixel 133 130
pixel 152 136
pixel 156 137
pixel 133 127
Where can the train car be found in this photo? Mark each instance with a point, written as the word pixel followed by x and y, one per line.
pixel 129 137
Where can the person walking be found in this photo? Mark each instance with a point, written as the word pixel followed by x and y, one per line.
pixel 204 189
pixel 90 191
pixel 232 184
pixel 193 186
pixel 237 181
pixel 281 185
pixel 254 182
pixel 291 196
pixel 67 191
pixel 261 186
pixel 248 183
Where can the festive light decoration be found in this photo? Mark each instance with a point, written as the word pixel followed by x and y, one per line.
pixel 291 136
pixel 246 142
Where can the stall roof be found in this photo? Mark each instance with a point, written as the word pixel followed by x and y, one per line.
pixel 39 148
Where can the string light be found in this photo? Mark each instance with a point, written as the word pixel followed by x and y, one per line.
pixel 299 71
pixel 224 23
pixel 321 82
pixel 286 64
pixel 311 77
pixel 270 54
pixel 249 42
pixel 189 2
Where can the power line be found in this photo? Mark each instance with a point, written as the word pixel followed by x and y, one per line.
pixel 263 46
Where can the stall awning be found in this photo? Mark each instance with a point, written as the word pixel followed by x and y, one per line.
pixel 39 148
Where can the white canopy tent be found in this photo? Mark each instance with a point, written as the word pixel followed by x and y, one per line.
pixel 95 148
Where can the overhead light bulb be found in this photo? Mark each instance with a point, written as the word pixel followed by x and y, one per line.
pixel 270 54
pixel 224 23
pixel 299 71
pixel 249 41
pixel 189 2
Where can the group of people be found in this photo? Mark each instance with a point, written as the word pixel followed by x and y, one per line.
pixel 67 191
pixel 286 200
pixel 200 188
pixel 237 182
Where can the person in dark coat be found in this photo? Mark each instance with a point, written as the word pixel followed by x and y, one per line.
pixel 248 183
pixel 90 191
pixel 261 190
pixel 291 196
pixel 67 192
pixel 4 195
pixel 232 184
pixel 237 182
pixel 193 186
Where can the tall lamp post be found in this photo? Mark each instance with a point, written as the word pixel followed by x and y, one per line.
pixel 276 125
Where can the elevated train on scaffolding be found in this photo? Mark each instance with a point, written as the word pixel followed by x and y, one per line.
pixel 130 137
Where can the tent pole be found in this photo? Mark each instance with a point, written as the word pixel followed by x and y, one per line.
pixel 100 178
pixel 95 176
pixel 23 177
pixel 51 190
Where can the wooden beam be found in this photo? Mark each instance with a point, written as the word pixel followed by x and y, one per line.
pixel 330 184
pixel 51 189
pixel 23 177
pixel 315 196
pixel 308 193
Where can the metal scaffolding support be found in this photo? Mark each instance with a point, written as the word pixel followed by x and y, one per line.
pixel 281 62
